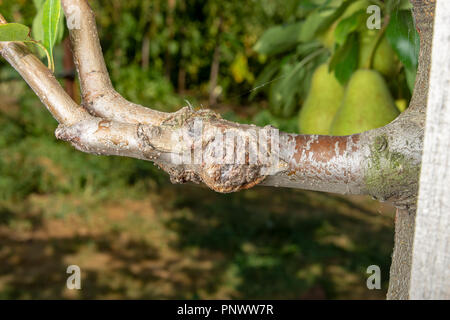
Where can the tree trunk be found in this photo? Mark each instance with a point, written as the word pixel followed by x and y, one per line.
pixel 430 268
pixel 400 273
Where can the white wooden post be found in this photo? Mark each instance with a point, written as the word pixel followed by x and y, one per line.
pixel 430 274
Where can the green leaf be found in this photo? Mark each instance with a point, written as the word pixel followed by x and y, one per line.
pixel 61 28
pixel 321 19
pixel 305 7
pixel 265 117
pixel 283 91
pixel 51 22
pixel 349 25
pixel 309 51
pixel 410 78
pixel 14 32
pixel 405 5
pixel 304 49
pixel 404 39
pixel 37 29
pixel 292 83
pixel 392 6
pixel 264 77
pixel 21 33
pixel 345 60
pixel 278 39
pixel 38 3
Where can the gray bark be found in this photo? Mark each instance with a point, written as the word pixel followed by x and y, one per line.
pixel 430 269
pixel 400 273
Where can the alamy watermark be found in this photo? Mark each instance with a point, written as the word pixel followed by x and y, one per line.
pixel 74 280
pixel 374 20
pixel 374 280
pixel 200 144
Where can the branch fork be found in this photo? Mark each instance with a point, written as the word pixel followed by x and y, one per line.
pixel 108 124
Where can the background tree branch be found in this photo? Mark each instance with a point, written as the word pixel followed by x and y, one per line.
pixel 98 94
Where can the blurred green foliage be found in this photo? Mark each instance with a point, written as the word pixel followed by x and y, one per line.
pixel 147 45
pixel 136 236
pixel 32 161
pixel 153 47
pixel 334 31
pixel 177 39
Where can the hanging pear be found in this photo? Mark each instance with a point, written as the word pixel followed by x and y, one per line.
pixel 367 104
pixel 384 59
pixel 323 100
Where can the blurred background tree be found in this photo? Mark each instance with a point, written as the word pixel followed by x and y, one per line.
pixel 137 236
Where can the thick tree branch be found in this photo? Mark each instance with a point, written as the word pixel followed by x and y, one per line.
pixel 99 96
pixel 424 18
pixel 199 146
pixel 329 161
pixel 405 222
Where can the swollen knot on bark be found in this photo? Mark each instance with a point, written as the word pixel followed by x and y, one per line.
pixel 220 178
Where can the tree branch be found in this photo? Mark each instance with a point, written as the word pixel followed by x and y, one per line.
pixel 424 19
pixel 199 146
pixel 99 96
pixel 100 99
pixel 42 81
pixel 405 222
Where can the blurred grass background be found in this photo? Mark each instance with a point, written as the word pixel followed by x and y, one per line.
pixel 133 234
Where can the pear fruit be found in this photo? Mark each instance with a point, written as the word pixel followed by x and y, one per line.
pixel 384 59
pixel 323 101
pixel 401 104
pixel 367 104
pixel 327 37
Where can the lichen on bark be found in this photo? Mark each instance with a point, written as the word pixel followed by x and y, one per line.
pixel 392 170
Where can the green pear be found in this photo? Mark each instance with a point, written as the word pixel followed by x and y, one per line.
pixel 367 104
pixel 401 104
pixel 384 59
pixel 327 37
pixel 323 101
